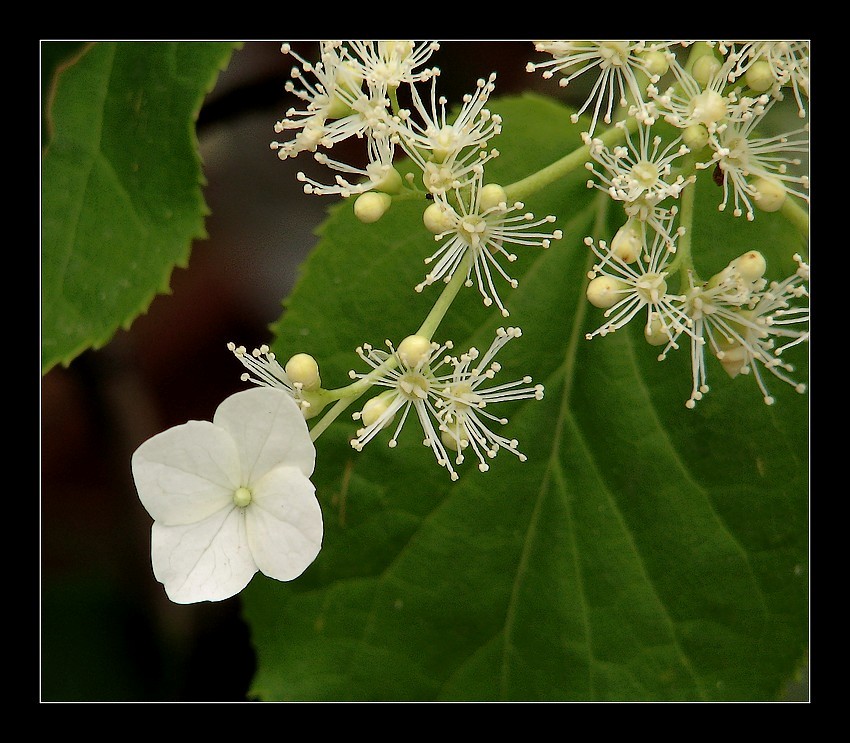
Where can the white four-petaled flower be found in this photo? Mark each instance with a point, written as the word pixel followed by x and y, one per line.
pixel 231 497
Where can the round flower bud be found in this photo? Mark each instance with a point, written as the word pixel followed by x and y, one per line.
pixel 603 291
pixel 436 219
pixel 627 243
pixel 656 62
pixel 708 107
pixel 338 108
pixel 695 137
pixel 733 359
pixel 751 265
pixel 770 194
pixel 759 76
pixel 391 183
pixel 302 369
pixel 655 332
pixel 452 441
pixel 705 68
pixel 491 195
pixel 371 206
pixel 374 409
pixel 413 350
pixel 347 78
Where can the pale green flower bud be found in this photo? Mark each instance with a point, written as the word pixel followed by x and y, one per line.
pixel 491 195
pixel 656 62
pixel 751 265
pixel 349 79
pixel 733 359
pixel 655 332
pixel 413 350
pixel 770 194
pixel 604 291
pixel 759 76
pixel 708 107
pixel 371 206
pixel 391 183
pixel 731 353
pixel 627 243
pixel 451 441
pixel 695 137
pixel 375 409
pixel 705 68
pixel 437 219
pixel 303 370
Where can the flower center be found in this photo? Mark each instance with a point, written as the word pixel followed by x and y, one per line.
pixel 708 107
pixel 445 138
pixel 463 397
pixel 699 304
pixel 471 229
pixel 414 386
pixel 737 156
pixel 312 133
pixel 645 173
pixel 651 287
pixel 242 497
pixel 615 53
pixel 388 70
pixel 437 177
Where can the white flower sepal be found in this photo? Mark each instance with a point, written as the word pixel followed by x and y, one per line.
pixel 231 497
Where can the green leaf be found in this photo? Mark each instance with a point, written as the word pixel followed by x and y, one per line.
pixel 643 552
pixel 121 184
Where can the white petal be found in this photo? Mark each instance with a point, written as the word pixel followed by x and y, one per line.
pixel 284 523
pixel 206 561
pixel 186 473
pixel 269 429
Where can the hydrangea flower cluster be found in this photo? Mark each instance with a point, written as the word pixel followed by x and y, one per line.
pixel 451 405
pixel 621 68
pixel 745 322
pixel 718 104
pixel 355 94
pixel 232 497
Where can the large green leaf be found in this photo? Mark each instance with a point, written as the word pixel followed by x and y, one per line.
pixel 121 184
pixel 643 552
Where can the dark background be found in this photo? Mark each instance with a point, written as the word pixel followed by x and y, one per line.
pixel 108 631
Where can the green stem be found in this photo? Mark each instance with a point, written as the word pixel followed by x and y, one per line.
pixel 447 296
pixel 684 260
pixel 345 396
pixel 393 96
pixel 330 416
pixel 795 214
pixel 529 185
pixel 600 219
